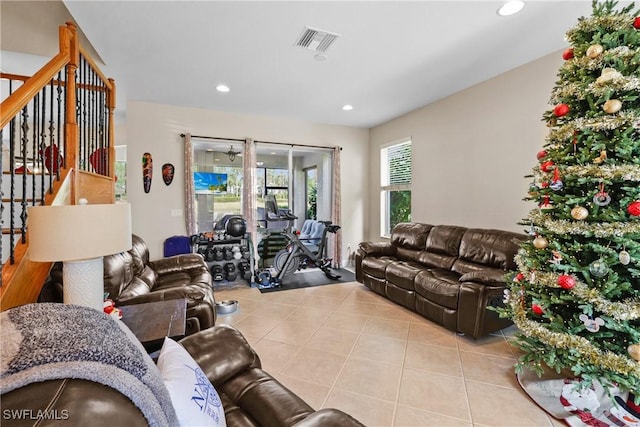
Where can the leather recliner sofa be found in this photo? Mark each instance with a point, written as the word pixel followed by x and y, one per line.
pixel 447 274
pixel 130 278
pixel 250 397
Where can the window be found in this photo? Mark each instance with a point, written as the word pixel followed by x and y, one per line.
pixel 395 185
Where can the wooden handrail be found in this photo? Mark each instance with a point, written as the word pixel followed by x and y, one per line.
pixel 21 97
pixel 22 281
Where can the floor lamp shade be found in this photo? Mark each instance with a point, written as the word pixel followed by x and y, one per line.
pixel 79 235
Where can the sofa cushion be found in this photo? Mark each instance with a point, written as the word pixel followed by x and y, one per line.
pixel 439 286
pixel 484 276
pixel 445 239
pixel 410 235
pixel 375 266
pixel 436 260
pixel 403 273
pixel 490 248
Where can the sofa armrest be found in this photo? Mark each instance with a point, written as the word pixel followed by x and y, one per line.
pixel 179 263
pixel 329 417
pixel 221 352
pixel 484 276
pixel 377 248
pixel 193 295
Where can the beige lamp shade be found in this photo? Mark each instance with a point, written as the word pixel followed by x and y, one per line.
pixel 78 232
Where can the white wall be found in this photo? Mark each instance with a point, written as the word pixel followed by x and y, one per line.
pixel 156 129
pixel 472 150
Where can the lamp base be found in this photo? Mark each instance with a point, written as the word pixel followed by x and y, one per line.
pixel 84 282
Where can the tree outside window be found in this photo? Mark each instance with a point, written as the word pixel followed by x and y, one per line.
pixel 395 188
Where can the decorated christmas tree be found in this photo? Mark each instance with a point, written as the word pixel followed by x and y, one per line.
pixel 576 296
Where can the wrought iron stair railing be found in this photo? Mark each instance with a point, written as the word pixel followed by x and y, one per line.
pixel 56 138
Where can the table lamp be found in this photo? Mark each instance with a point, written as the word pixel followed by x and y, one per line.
pixel 79 236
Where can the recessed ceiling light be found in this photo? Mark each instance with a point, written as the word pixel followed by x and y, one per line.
pixel 511 7
pixel 222 88
pixel 347 107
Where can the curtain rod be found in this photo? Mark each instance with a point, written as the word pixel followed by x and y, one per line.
pixel 262 142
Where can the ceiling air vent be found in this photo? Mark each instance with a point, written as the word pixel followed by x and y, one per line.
pixel 316 40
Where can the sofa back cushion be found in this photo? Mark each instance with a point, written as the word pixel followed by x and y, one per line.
pixel 482 249
pixel 410 235
pixel 118 273
pixel 139 253
pixel 442 246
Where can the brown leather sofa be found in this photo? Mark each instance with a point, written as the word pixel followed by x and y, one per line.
pixel 130 278
pixel 448 274
pixel 250 396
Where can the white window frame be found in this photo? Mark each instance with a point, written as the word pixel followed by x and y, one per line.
pixel 386 188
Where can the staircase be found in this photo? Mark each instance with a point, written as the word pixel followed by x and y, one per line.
pixel 56 132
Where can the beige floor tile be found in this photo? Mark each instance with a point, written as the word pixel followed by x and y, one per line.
pixel 442 394
pixel 436 359
pixel 398 329
pixel 315 366
pixel 371 378
pixel 369 411
pixel 256 326
pixel 284 297
pixel 312 393
pixel 274 354
pixel 273 310
pixel 380 348
pixel 412 417
pixel 489 369
pixel 432 334
pixel 337 341
pixel 363 294
pixel 493 345
pixel 292 332
pixel 356 307
pixel 499 406
pixel 317 315
pixel 230 319
pixel 347 322
pixel 394 312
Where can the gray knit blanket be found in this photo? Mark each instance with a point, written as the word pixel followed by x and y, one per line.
pixel 47 341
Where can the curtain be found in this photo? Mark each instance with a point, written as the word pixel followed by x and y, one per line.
pixel 336 208
pixel 249 196
pixel 189 187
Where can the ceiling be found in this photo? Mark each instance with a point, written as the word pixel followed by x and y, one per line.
pixel 391 57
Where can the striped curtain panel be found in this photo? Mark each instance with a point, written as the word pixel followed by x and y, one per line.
pixel 336 208
pixel 189 187
pixel 249 196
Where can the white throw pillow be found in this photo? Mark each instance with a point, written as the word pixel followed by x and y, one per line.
pixel 194 398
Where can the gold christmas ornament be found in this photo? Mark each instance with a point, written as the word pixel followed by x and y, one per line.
pixel 601 158
pixel 540 242
pixel 594 51
pixel 607 75
pixel 580 213
pixel 634 351
pixel 612 106
pixel 624 257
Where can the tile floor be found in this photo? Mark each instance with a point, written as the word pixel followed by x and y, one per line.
pixel 346 347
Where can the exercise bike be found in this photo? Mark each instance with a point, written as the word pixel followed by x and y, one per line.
pixel 296 255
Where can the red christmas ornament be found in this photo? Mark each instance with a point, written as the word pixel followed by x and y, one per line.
pixel 541 155
pixel 566 282
pixel 519 277
pixel 567 54
pixel 547 166
pixel 536 309
pixel 561 110
pixel 634 208
pixel 545 184
pixel 636 23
